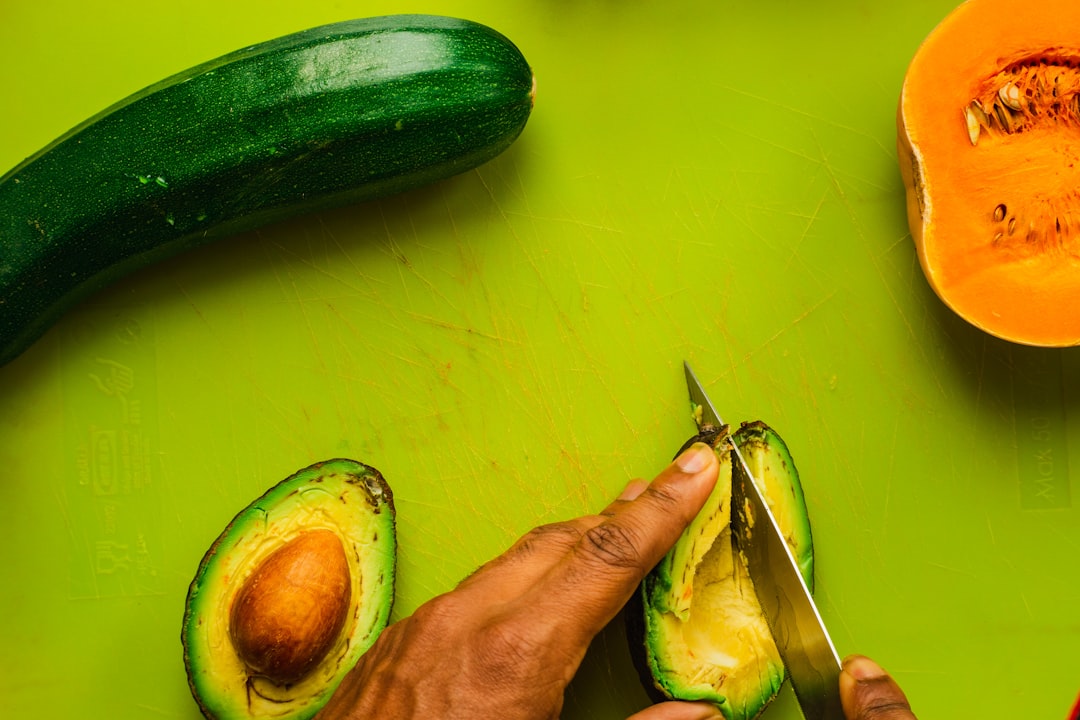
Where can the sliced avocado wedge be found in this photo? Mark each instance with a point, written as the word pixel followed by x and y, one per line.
pixel 291 594
pixel 696 629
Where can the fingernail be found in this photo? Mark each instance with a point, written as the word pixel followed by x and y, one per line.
pixel 695 458
pixel 863 668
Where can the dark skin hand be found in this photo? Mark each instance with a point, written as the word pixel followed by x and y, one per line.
pixel 868 693
pixel 507 641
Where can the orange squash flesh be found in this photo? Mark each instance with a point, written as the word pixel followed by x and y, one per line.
pixel 989 148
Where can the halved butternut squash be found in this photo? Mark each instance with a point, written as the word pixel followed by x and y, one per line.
pixel 989 149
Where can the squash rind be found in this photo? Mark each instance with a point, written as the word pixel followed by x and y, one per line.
pixel 1023 286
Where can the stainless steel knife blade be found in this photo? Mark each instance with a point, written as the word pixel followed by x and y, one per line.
pixel 705 415
pixel 797 628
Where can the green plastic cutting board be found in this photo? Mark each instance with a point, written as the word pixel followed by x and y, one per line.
pixel 714 181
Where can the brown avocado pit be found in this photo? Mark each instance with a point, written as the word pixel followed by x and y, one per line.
pixel 290 611
pixel 290 595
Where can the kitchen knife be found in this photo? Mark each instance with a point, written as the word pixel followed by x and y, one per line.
pixel 805 647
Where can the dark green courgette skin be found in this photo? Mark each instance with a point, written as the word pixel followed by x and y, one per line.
pixel 333 115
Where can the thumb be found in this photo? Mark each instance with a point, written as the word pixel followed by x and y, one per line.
pixel 679 711
pixel 867 692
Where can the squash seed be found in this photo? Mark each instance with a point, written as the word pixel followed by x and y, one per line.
pixel 1010 95
pixel 973 126
pixel 999 212
pixel 980 114
pixel 1004 117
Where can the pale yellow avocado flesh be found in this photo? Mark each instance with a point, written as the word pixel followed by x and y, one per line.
pixel 706 637
pixel 340 496
pixel 717 637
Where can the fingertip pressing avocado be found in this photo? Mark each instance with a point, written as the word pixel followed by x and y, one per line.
pixel 291 594
pixel 696 628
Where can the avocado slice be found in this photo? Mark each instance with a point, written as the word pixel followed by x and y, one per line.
pixel 290 595
pixel 696 629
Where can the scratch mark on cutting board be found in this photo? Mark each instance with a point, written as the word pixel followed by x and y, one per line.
pixel 990 531
pixel 313 335
pixel 1027 605
pixel 495 317
pixel 785 329
pixel 704 219
pixel 953 570
pixel 886 506
pixel 810 220
pixel 742 218
pixel 874 257
pixel 891 247
pixel 342 253
pixel 794 110
pixel 566 221
pixel 553 425
pixel 447 325
pixel 978 407
pixel 338 277
pixel 835 619
pixel 77 540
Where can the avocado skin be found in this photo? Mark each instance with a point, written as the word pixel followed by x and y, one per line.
pixel 379 500
pixel 746 437
pixel 635 637
pixel 635 606
pixel 709 436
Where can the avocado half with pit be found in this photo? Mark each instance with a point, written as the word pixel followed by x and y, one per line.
pixel 696 628
pixel 291 594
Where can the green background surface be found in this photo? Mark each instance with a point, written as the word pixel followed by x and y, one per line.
pixel 714 181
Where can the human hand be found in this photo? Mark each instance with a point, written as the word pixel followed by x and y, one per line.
pixel 868 693
pixel 507 641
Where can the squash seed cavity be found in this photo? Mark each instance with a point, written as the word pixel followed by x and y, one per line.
pixel 1036 91
pixel 1042 91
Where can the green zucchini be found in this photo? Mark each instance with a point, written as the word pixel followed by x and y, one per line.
pixel 333 115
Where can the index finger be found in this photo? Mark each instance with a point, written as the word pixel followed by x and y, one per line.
pixel 596 578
